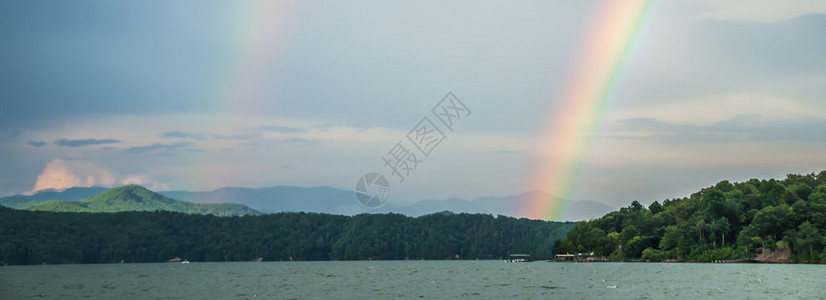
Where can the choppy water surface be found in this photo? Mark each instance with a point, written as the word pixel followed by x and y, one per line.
pixel 413 279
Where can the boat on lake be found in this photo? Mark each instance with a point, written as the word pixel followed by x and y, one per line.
pixel 519 258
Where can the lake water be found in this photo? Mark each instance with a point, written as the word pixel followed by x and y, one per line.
pixel 413 279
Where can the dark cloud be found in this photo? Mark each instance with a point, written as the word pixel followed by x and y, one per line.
pixel 184 135
pixel 282 129
pixel 159 146
pixel 86 142
pixel 36 143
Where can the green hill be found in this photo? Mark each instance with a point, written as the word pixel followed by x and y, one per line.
pixel 17 202
pixel 727 221
pixel 138 198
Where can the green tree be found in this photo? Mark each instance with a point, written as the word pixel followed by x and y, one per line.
pixel 809 240
pixel 724 186
pixel 714 202
pixel 721 227
pixel 769 242
pixel 671 238
pixel 651 254
pixel 655 207
pixel 774 193
pixel 628 233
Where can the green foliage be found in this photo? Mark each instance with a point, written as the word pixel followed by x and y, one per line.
pixel 18 202
pixel 726 221
pixel 34 237
pixel 651 254
pixel 638 244
pixel 137 198
pixel 655 208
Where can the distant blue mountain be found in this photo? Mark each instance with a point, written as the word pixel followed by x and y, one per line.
pixel 17 202
pixel 330 200
pixel 507 206
pixel 274 199
pixel 70 194
pixel 335 201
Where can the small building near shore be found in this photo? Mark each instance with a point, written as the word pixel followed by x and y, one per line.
pixel 577 257
pixel 564 257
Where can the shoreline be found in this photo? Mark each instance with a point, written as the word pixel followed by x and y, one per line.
pixel 741 261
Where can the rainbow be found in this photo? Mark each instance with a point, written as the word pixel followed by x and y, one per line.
pixel 240 86
pixel 606 50
pixel 259 31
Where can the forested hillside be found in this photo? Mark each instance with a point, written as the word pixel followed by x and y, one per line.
pixel 35 237
pixel 130 198
pixel 725 221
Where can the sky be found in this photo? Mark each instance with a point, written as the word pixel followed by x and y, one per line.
pixel 199 95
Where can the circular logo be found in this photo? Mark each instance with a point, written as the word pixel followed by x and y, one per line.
pixel 372 189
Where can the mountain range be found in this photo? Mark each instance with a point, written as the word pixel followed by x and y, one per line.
pixel 323 199
pixel 330 200
pixel 124 198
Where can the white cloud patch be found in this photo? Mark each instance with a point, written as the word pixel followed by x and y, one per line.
pixel 743 128
pixel 61 174
pixel 145 181
pixel 283 129
pixel 763 10
pixel 720 108
pixel 699 155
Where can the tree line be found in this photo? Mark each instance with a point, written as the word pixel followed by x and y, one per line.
pixel 723 222
pixel 37 237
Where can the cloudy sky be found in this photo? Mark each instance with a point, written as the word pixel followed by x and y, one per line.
pixel 181 95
